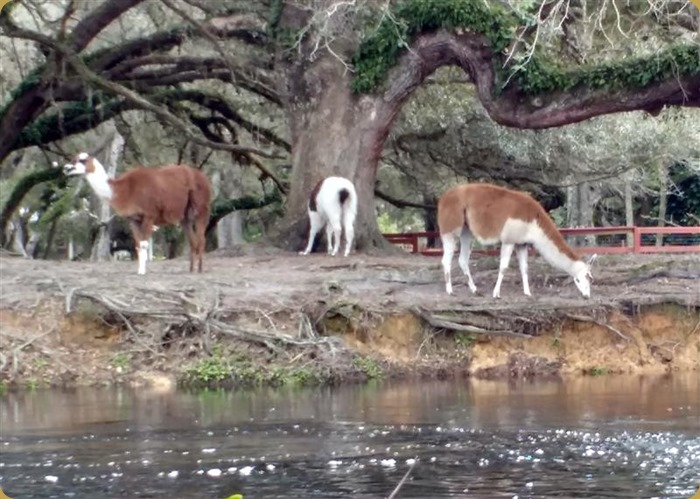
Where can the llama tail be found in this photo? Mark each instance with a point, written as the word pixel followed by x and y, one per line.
pixel 343 195
pixel 348 202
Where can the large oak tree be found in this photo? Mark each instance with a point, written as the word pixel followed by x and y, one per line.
pixel 340 70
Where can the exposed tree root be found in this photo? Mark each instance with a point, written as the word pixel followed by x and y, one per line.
pixel 175 310
pixel 459 324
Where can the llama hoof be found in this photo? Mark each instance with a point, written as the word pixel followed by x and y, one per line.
pixel 303 253
pixel 472 288
pixel 496 295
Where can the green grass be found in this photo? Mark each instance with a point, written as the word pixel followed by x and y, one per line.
pixel 464 340
pixel 121 360
pixel 369 367
pixel 598 371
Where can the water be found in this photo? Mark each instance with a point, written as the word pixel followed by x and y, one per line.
pixel 594 437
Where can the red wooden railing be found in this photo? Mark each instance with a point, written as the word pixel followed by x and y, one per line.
pixel 640 244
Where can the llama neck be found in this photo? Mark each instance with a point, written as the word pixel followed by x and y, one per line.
pixel 553 254
pixel 99 181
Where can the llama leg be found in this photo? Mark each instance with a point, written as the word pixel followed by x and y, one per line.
pixel 191 240
pixel 449 244
pixel 337 233
pixel 142 230
pixel 315 224
pixel 201 232
pixel 143 256
pixel 506 252
pixel 348 226
pixel 329 239
pixel 465 251
pixel 521 253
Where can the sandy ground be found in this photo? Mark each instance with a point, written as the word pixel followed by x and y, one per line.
pixel 289 280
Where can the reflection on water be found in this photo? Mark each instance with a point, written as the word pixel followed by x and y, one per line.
pixel 608 436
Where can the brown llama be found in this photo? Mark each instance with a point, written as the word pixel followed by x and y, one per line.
pixel 153 196
pixel 494 214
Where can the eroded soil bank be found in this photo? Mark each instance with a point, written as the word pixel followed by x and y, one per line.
pixel 280 318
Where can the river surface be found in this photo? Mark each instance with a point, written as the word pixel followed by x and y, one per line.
pixel 608 436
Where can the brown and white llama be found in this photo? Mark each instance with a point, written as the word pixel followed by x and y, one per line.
pixel 333 204
pixel 494 214
pixel 153 196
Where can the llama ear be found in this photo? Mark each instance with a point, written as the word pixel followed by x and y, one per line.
pixel 591 258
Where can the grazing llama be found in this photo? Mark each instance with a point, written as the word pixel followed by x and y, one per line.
pixel 153 196
pixel 493 214
pixel 333 204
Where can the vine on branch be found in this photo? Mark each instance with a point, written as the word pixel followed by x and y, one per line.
pixel 380 51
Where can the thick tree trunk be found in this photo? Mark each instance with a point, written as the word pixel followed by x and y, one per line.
pixel 581 200
pixel 430 218
pixel 229 230
pixel 100 252
pixel 334 132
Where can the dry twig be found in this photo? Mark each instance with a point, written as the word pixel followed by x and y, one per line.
pixel 585 318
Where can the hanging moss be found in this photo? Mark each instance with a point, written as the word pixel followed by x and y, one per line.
pixel 58 204
pixel 273 21
pixel 542 76
pixel 48 129
pixel 31 81
pixel 379 52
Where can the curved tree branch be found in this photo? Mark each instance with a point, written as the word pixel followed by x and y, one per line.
pixel 44 86
pixel 221 106
pixel 20 190
pixel 203 124
pixel 513 107
pixel 97 20
pixel 84 72
pixel 70 121
pixel 400 203
pixel 221 208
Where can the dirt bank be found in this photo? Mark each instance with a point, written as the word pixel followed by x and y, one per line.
pixel 278 318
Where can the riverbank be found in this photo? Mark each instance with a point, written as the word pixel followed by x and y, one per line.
pixel 277 318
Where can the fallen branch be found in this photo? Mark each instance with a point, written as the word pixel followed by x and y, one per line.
pixel 183 309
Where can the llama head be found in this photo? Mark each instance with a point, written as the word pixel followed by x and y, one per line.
pixel 582 277
pixel 81 165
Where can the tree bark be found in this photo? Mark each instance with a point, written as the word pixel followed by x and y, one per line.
pixel 100 252
pixel 580 207
pixel 663 198
pixel 333 132
pixel 229 230
pixel 629 207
